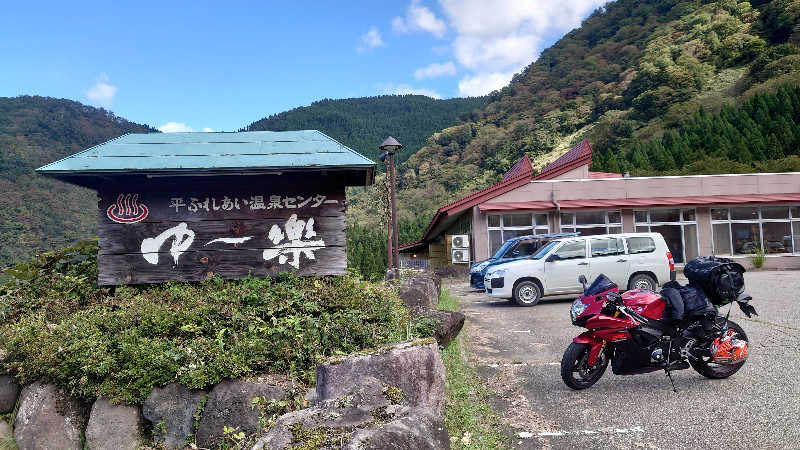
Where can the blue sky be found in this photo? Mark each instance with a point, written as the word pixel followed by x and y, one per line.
pixel 221 65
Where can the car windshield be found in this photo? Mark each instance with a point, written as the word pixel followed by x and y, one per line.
pixel 523 247
pixel 544 250
pixel 503 249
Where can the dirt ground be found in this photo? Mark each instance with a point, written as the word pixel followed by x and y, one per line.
pixel 518 351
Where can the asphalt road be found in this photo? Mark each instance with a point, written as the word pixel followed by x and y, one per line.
pixel 518 352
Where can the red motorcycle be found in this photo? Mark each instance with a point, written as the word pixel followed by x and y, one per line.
pixel 631 332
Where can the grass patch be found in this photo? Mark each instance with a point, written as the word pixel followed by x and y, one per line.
pixel 471 422
pixel 757 258
pixel 57 325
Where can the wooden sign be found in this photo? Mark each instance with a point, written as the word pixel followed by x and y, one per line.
pixel 148 237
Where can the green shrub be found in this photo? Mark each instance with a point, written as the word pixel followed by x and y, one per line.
pixel 58 325
pixel 758 258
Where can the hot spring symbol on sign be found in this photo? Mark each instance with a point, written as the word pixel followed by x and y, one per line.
pixel 127 209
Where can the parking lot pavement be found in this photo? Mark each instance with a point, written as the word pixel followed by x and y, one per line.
pixel 518 353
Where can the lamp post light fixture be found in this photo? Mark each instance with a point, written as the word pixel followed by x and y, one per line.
pixel 389 146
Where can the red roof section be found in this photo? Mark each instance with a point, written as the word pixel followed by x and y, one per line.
pixel 579 152
pixel 644 202
pixel 521 167
pixel 517 176
pixel 578 156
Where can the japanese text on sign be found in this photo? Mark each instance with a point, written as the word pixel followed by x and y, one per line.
pixel 253 203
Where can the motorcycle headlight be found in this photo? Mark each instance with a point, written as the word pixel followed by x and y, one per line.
pixel 578 307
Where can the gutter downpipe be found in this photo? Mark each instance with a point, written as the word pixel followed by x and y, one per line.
pixel 558 207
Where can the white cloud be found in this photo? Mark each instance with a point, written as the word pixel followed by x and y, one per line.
pixel 103 92
pixel 494 39
pixel 404 89
pixel 435 70
pixel 499 17
pixel 483 83
pixel 207 130
pixel 175 127
pixel 369 40
pixel 419 18
pixel 498 53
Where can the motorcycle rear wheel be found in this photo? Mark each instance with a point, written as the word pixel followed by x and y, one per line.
pixel 574 362
pixel 708 369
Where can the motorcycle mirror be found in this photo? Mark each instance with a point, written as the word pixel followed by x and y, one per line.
pixel 582 281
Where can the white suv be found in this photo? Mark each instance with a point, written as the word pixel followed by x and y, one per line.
pixel 632 260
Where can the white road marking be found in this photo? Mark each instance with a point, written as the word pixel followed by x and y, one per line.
pixel 528 434
pixel 516 364
pixel 520 331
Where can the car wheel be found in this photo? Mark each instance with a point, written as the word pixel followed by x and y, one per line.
pixel 642 281
pixel 527 293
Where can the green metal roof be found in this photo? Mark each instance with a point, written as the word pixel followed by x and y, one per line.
pixel 211 152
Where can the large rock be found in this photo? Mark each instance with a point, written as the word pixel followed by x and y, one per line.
pixel 9 391
pixel 416 368
pixel 413 428
pixel 114 427
pixel 49 419
pixel 448 325
pixel 421 291
pixel 171 411
pixel 231 403
pixel 329 426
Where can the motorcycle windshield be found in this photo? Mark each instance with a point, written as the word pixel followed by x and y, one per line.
pixel 599 285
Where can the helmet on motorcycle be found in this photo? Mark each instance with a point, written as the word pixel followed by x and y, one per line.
pixel 728 349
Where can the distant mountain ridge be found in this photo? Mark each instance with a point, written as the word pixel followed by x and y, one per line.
pixel 36 213
pixel 39 214
pixel 363 123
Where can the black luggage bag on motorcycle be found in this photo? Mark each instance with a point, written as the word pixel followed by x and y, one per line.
pixel 721 279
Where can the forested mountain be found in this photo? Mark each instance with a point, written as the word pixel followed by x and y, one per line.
pixel 363 123
pixel 657 86
pixel 36 213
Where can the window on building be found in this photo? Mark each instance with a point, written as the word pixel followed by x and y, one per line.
pixel 503 227
pixel 589 223
pixel 746 230
pixel 678 226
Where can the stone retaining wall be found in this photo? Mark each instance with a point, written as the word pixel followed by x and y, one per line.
pixel 395 394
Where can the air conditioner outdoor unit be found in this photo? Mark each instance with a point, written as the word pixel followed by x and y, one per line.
pixel 460 256
pixel 461 241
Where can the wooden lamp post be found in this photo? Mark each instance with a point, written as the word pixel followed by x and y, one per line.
pixel 389 146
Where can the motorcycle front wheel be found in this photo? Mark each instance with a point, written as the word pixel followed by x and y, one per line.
pixel 575 370
pixel 707 368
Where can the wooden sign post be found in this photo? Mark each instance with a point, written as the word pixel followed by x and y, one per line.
pixel 148 237
pixel 183 224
